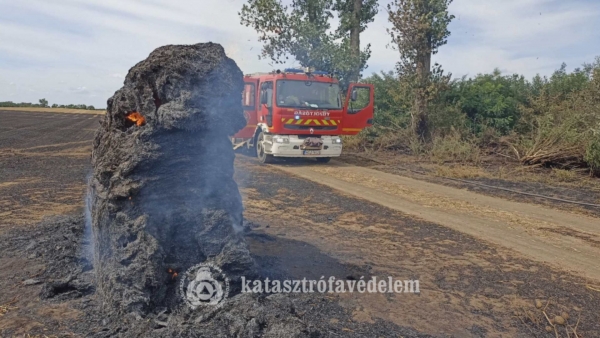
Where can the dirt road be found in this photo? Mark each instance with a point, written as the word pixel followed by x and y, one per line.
pixel 478 278
pixel 569 241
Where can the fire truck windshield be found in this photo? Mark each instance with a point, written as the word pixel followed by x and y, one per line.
pixel 308 94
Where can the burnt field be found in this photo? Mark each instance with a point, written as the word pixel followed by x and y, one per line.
pixel 295 229
pixel 43 163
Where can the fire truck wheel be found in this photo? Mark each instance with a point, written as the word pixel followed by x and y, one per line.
pixel 323 159
pixel 260 150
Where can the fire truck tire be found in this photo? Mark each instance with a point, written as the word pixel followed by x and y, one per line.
pixel 260 150
pixel 323 159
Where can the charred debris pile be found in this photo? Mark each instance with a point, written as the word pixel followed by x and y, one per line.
pixel 164 198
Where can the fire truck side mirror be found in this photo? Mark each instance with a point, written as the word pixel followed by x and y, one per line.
pixel 263 97
pixel 354 95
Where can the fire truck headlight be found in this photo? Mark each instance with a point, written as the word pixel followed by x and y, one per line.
pixel 337 140
pixel 279 139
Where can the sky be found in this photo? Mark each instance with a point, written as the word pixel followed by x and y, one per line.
pixel 79 51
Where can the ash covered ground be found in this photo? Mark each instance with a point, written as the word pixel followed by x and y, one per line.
pixel 67 278
pixel 325 242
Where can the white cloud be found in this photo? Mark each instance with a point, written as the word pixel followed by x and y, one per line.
pixel 516 36
pixel 51 47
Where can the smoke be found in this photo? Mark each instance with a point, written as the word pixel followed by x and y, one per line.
pixel 87 246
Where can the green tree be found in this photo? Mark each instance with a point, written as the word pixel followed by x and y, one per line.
pixel 354 16
pixel 392 105
pixel 419 28
pixel 490 100
pixel 303 31
pixel 43 103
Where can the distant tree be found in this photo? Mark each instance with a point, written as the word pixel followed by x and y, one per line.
pixel 43 103
pixel 419 28
pixel 354 16
pixel 90 108
pixel 303 31
pixel 54 105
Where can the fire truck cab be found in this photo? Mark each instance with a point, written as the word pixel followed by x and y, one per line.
pixel 301 113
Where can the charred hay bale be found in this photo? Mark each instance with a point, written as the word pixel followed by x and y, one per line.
pixel 163 192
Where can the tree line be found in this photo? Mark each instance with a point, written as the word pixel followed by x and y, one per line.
pixel 43 103
pixel 549 121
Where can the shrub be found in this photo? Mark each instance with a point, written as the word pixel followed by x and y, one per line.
pixel 592 153
pixel 453 148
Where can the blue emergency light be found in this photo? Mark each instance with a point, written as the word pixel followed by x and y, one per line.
pixel 293 70
pixel 299 71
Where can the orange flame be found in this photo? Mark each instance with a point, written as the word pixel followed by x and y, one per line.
pixel 137 118
pixel 173 273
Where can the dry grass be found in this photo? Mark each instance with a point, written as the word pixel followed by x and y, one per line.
pixel 550 317
pixel 400 139
pixel 54 110
pixel 562 175
pixel 461 171
pixel 5 308
pixel 452 148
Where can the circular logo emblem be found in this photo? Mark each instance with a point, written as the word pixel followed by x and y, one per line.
pixel 312 131
pixel 204 284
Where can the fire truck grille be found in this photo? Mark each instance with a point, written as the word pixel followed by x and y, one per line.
pixel 295 127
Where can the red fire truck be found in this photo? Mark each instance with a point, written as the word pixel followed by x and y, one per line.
pixel 301 113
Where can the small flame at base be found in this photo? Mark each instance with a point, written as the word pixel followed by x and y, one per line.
pixel 137 118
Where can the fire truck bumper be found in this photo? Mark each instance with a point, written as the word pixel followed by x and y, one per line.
pixel 292 146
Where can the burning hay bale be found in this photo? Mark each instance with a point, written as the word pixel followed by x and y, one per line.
pixel 163 194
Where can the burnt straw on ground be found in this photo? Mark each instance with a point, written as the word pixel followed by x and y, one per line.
pixel 62 245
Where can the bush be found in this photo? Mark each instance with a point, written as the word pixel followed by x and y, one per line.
pixel 489 100
pixel 592 153
pixel 453 148
pixel 545 121
pixel 559 143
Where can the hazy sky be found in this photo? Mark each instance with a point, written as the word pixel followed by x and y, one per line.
pixel 78 51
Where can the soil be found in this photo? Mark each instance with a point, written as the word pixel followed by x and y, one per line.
pixel 470 287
